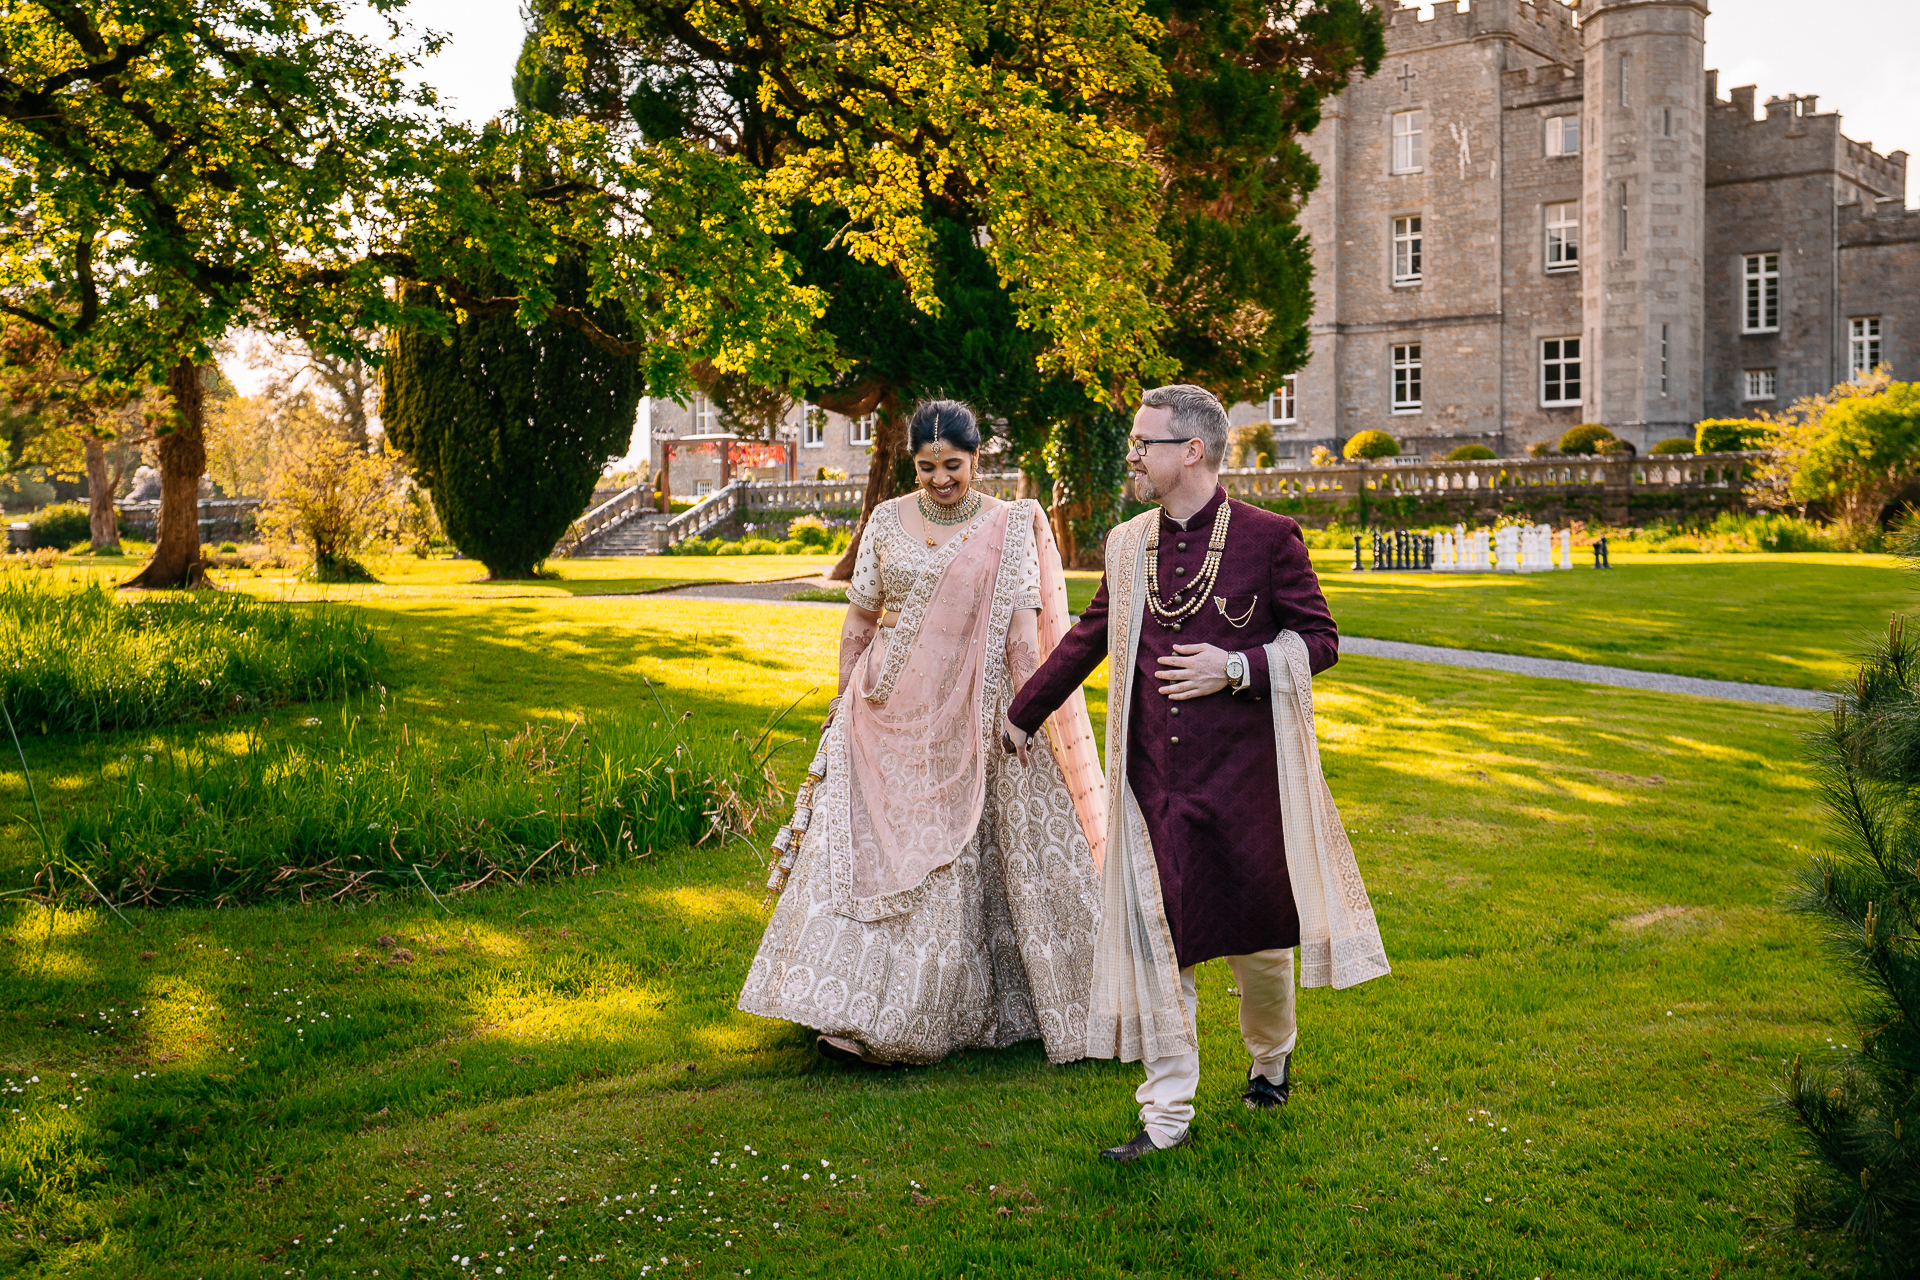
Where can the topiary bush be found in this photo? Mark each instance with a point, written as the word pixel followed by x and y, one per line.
pixel 1728 435
pixel 61 525
pixel 811 531
pixel 1471 453
pixel 1673 444
pixel 1371 444
pixel 1587 438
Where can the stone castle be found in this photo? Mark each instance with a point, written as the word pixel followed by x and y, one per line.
pixel 1536 216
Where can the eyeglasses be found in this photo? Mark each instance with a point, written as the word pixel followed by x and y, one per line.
pixel 1137 446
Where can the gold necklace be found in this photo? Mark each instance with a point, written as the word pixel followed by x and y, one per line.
pixel 1172 613
pixel 964 510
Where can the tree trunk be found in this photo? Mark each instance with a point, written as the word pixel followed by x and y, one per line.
pixel 183 459
pixel 889 446
pixel 103 522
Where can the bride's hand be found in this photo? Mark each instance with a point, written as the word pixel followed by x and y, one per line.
pixel 1017 741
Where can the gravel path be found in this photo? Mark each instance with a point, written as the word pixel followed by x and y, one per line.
pixel 1587 672
pixel 1360 646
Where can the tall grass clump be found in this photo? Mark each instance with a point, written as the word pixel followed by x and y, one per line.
pixel 379 811
pixel 1858 1105
pixel 75 660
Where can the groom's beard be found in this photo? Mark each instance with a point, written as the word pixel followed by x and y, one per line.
pixel 1143 488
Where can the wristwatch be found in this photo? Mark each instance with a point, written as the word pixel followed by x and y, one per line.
pixel 1237 670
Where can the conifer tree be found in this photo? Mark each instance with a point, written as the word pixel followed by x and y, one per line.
pixel 508 427
pixel 1859 1106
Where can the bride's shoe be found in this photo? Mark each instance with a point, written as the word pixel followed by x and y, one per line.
pixel 839 1049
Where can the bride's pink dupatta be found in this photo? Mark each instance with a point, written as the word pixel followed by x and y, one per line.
pixel 1070 729
pixel 915 726
pixel 917 777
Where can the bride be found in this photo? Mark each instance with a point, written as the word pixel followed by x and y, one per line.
pixel 942 897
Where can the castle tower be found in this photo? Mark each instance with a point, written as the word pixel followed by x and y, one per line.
pixel 1643 215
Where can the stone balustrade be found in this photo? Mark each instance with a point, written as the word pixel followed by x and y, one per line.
pixel 1346 482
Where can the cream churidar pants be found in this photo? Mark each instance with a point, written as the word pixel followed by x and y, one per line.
pixel 1265 980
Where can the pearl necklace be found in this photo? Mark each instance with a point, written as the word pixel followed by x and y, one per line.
pixel 1172 613
pixel 961 512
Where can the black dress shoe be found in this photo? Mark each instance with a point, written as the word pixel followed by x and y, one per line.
pixel 1141 1145
pixel 1264 1095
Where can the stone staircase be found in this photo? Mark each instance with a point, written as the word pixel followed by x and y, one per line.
pixel 636 536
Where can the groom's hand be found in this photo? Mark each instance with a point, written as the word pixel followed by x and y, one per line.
pixel 1192 671
pixel 1017 741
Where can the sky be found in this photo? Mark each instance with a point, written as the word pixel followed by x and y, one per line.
pixel 1862 57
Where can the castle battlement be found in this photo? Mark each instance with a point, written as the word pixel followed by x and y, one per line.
pixel 1538 22
pixel 1790 126
pixel 1882 222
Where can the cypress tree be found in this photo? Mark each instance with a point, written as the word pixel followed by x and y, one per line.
pixel 508 427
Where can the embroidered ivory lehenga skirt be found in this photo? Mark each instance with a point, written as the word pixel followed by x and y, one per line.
pixel 993 944
pixel 996 949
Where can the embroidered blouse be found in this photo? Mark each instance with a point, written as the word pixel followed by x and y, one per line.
pixel 891 560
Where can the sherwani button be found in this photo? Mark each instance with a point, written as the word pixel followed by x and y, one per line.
pixel 1181 570
pixel 1174 741
pixel 1173 711
pixel 1180 546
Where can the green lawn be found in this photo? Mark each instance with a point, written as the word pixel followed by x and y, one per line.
pixel 1593 993
pixel 1777 619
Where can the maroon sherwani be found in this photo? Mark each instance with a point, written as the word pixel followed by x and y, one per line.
pixel 1203 769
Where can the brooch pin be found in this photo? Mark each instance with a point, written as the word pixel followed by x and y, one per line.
pixel 1220 603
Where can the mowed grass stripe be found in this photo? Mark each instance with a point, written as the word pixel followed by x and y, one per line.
pixel 1576 886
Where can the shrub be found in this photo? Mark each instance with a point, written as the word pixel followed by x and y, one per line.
pixel 381 810
pixel 793 547
pixel 1728 435
pixel 1857 1106
pixel 830 473
pixel 812 531
pixel 61 525
pixel 331 500
pixel 1322 457
pixel 1586 439
pixel 1371 444
pixel 759 547
pixel 1672 444
pixel 729 548
pixel 80 660
pixel 1471 453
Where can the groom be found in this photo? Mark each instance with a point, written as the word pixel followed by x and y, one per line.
pixel 1211 767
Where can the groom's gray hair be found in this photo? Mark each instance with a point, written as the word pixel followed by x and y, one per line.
pixel 1197 414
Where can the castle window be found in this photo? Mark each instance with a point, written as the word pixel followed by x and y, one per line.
pixel 1282 405
pixel 1563 135
pixel 1408 130
pixel 813 426
pixel 706 420
pixel 1560 371
pixel 1563 236
pixel 1666 122
pixel 860 429
pixel 1760 276
pixel 1406 378
pixel 1626 78
pixel 1863 345
pixel 1761 384
pixel 1663 359
pixel 1406 250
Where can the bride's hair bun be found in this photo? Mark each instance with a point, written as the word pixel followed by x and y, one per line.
pixel 947 420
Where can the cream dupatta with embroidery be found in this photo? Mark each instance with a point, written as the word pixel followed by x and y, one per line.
pixel 1135 1011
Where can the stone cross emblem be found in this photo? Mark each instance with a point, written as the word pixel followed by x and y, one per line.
pixel 1406 77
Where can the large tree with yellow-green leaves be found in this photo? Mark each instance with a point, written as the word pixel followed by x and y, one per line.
pixel 1029 206
pixel 181 167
